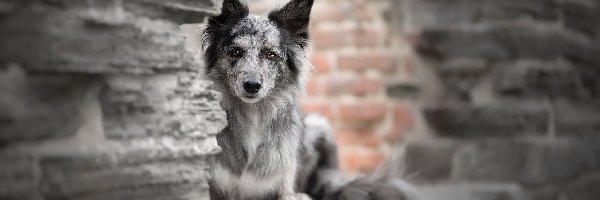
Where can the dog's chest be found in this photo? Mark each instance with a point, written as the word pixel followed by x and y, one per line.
pixel 252 139
pixel 245 184
pixel 248 183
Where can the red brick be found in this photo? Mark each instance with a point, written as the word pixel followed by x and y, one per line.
pixel 356 137
pixel 362 11
pixel 362 112
pixel 360 160
pixel 409 64
pixel 313 86
pixel 323 108
pixel 333 15
pixel 359 86
pixel 365 38
pixel 321 63
pixel 363 62
pixel 342 10
pixel 334 38
pixel 402 122
pixel 412 38
pixel 323 38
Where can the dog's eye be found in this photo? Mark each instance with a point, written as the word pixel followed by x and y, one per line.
pixel 236 52
pixel 270 55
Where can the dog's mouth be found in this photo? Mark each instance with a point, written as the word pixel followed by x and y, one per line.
pixel 250 98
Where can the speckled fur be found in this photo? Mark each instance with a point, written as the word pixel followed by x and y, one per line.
pixel 261 144
pixel 268 151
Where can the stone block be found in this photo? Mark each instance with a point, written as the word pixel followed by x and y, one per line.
pixel 144 169
pixel 545 80
pixel 19 176
pixel 526 162
pixel 581 120
pixel 508 42
pixel 586 188
pixel 460 76
pixel 484 122
pixel 581 16
pixel 430 160
pixel 178 11
pixel 94 36
pixel 177 105
pixel 433 13
pixel 402 90
pixel 575 15
pixel 36 107
pixel 545 193
pixel 471 191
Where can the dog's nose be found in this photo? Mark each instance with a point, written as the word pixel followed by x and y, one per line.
pixel 252 87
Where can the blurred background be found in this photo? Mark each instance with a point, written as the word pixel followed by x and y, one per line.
pixel 491 99
pixel 364 79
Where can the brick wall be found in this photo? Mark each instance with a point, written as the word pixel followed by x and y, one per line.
pixel 494 99
pixel 359 65
pixel 99 99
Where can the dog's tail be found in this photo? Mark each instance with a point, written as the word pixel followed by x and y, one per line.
pixel 321 178
pixel 385 183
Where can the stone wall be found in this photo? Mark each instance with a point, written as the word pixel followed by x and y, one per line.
pixel 513 98
pixel 99 99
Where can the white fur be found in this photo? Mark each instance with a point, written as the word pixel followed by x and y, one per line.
pixel 252 138
pixel 246 184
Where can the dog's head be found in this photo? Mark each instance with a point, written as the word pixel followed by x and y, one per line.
pixel 251 57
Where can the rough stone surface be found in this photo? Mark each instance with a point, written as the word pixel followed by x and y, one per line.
pixel 402 90
pixel 510 41
pixel 518 86
pixel 473 11
pixel 98 177
pixel 473 191
pixel 179 106
pixel 18 176
pixel 101 100
pixel 94 36
pixel 531 163
pixel 580 121
pixel 430 160
pixel 573 14
pixel 585 188
pixel 481 122
pixel 558 79
pixel 31 110
pixel 460 76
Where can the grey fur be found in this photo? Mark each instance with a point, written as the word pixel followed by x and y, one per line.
pixel 261 144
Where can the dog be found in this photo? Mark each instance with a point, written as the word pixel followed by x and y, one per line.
pixel 259 64
pixel 269 151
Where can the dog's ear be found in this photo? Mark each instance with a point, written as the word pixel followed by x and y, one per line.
pixel 232 11
pixel 294 17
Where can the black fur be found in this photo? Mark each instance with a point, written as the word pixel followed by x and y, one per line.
pixel 218 29
pixel 294 18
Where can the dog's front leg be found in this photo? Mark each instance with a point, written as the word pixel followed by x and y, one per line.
pixel 277 162
pixel 289 192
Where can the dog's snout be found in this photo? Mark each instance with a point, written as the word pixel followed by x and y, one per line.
pixel 252 87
